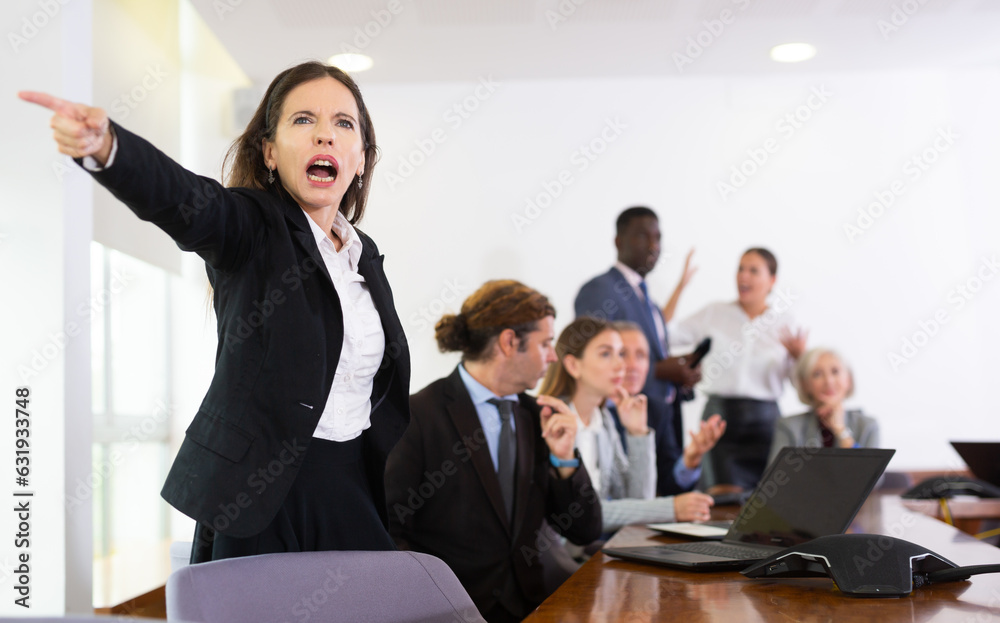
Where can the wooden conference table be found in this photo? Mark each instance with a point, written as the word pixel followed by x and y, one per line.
pixel 607 589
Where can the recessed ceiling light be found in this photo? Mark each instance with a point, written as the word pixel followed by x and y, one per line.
pixel 792 52
pixel 351 63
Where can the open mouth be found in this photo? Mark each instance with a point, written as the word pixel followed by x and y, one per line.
pixel 322 170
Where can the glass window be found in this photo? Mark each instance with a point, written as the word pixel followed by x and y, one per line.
pixel 130 332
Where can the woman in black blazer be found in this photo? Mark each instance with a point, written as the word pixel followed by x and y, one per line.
pixel 287 451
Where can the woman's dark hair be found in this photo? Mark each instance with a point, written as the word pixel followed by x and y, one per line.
pixel 572 341
pixel 769 259
pixel 494 307
pixel 244 165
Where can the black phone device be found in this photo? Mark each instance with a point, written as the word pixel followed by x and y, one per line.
pixel 699 352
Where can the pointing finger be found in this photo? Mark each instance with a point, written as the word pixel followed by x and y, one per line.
pixel 53 103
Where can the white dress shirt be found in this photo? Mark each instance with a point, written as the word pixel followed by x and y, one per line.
pixel 747 359
pixel 348 407
pixel 489 413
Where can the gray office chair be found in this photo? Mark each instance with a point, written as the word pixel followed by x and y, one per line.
pixel 320 586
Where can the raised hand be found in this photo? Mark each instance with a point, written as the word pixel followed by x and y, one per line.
pixel 78 130
pixel 632 411
pixel 689 271
pixel 794 343
pixel 704 440
pixel 558 426
pixel 671 306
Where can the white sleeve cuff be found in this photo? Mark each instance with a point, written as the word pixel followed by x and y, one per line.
pixel 90 164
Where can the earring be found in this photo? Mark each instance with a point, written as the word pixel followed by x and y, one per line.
pixel 270 176
pixel 360 183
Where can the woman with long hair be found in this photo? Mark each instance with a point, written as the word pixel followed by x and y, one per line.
pixel 287 451
pixel 589 378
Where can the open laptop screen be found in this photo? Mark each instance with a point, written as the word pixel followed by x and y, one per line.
pixel 982 457
pixel 808 492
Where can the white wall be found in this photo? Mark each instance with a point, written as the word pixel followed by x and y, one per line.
pixel 44 233
pixel 448 223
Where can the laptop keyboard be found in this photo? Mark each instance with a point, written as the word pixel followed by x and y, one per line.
pixel 724 550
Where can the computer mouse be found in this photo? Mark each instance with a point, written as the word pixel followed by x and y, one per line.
pixel 861 564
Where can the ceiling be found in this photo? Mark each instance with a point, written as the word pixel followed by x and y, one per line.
pixel 445 40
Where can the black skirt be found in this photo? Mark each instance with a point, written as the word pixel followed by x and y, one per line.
pixel 329 507
pixel 740 456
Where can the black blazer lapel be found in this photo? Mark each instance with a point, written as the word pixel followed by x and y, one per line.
pixel 302 232
pixel 463 415
pixel 370 267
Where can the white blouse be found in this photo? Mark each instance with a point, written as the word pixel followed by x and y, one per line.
pixel 747 359
pixel 594 445
pixel 348 407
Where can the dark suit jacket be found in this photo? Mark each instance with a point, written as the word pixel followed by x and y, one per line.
pixel 609 296
pixel 280 328
pixel 444 497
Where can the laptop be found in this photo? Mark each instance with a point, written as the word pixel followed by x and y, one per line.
pixel 982 457
pixel 805 493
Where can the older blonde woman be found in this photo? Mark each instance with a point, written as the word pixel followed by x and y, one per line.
pixel 825 380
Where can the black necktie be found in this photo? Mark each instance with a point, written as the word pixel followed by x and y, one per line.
pixel 652 311
pixel 507 454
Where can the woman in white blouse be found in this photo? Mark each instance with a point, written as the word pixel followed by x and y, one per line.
pixel 754 349
pixel 591 371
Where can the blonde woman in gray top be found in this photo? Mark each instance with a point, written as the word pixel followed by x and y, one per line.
pixel 824 382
